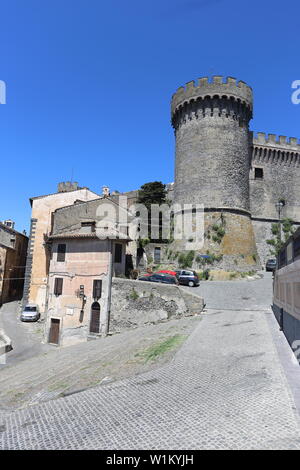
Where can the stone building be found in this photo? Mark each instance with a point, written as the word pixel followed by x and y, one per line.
pixel 239 177
pixel 83 258
pixel 37 265
pixel 13 250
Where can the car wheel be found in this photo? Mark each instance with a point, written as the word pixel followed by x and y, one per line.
pixel 191 284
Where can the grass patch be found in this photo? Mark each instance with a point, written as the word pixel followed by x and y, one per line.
pixel 57 386
pixel 160 348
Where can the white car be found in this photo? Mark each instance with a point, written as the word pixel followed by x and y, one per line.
pixel 30 313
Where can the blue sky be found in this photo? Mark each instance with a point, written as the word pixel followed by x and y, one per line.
pixel 89 85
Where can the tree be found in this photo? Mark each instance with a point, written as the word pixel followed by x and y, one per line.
pixel 152 193
pixel 276 242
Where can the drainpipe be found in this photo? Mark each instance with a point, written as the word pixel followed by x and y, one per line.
pixel 109 285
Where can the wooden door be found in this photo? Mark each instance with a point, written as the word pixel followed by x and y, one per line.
pixel 95 318
pixel 54 331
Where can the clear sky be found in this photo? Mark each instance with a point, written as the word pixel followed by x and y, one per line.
pixel 89 84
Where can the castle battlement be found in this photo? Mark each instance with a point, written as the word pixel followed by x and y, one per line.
pixel 218 86
pixel 277 142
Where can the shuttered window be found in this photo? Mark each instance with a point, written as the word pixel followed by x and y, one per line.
pixel 61 252
pixel 58 286
pixel 97 289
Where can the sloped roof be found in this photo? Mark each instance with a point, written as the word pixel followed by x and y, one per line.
pixel 100 233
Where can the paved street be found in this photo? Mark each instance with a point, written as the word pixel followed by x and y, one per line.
pixel 26 336
pixel 224 389
pixel 237 295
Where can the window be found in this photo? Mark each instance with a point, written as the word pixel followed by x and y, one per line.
pixel 157 254
pixel 97 289
pixel 58 286
pixel 118 253
pixel 61 252
pixel 258 173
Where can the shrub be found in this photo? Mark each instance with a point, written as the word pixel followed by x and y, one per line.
pixel 133 294
pixel 185 260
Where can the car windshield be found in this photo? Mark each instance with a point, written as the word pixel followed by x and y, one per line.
pixel 30 309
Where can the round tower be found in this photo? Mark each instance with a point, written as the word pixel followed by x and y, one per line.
pixel 211 123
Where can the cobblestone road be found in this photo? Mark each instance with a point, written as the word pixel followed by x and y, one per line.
pixel 224 389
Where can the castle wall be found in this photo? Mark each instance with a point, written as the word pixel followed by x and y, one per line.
pixel 213 153
pixel 280 162
pixel 212 143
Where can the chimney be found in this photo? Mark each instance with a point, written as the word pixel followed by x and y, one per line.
pixel 67 186
pixel 9 223
pixel 105 191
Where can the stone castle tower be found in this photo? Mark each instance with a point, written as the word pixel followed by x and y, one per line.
pixel 214 160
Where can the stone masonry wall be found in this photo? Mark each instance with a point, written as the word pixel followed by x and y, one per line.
pixel 280 162
pixel 136 303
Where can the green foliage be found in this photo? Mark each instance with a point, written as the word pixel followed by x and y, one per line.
pixel 254 256
pixel 275 229
pixel 287 228
pixel 152 193
pixel 161 347
pixel 219 233
pixel 276 242
pixel 247 273
pixel 204 275
pixel 212 258
pixel 143 242
pixel 185 260
pixel 133 294
pixel 150 259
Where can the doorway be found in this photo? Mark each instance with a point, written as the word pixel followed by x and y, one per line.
pixel 95 318
pixel 54 331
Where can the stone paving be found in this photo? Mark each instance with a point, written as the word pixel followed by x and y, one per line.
pixel 224 389
pixel 63 371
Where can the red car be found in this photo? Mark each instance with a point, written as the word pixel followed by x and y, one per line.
pixel 165 271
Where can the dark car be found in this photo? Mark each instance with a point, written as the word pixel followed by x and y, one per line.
pixel 157 277
pixel 187 277
pixel 271 264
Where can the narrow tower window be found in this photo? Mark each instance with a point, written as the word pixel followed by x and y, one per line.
pixel 258 173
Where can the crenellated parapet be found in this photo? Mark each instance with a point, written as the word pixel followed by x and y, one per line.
pixel 270 148
pixel 218 96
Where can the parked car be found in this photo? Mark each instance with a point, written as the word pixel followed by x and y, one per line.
pixel 187 277
pixel 30 313
pixel 166 271
pixel 271 264
pixel 159 277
